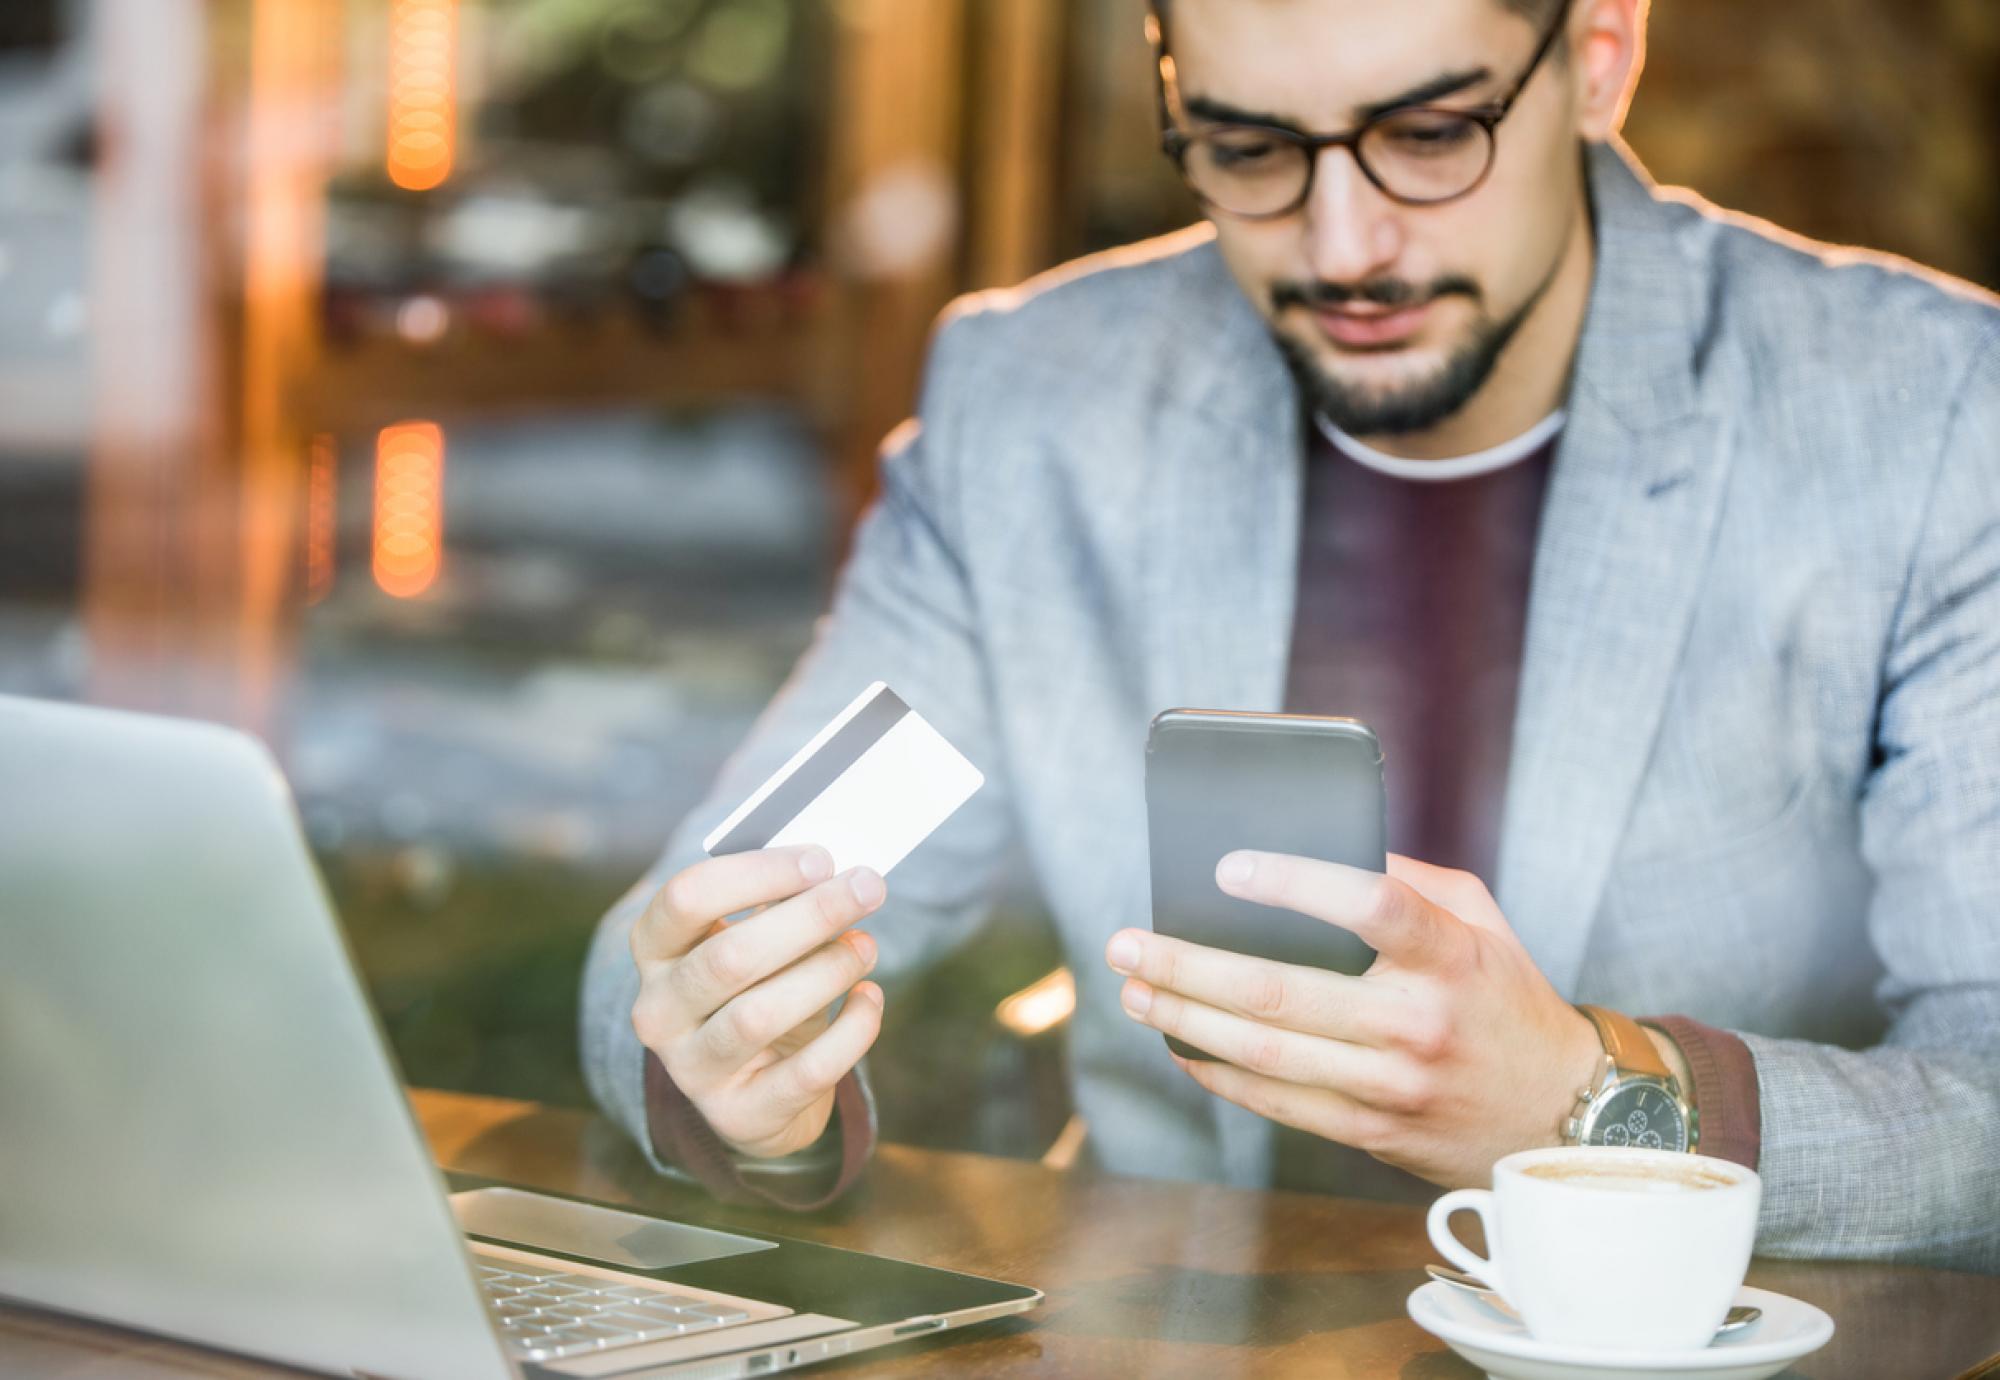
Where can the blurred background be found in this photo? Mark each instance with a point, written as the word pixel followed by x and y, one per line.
pixel 473 398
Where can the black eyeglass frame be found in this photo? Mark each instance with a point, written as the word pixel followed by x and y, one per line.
pixel 1176 141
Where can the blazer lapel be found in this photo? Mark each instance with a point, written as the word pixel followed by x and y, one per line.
pixel 1221 560
pixel 1624 543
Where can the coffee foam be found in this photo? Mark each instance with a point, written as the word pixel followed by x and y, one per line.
pixel 1687 1178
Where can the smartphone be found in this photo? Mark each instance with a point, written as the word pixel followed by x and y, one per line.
pixel 1219 780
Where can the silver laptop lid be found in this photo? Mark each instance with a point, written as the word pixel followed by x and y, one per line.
pixel 201 1131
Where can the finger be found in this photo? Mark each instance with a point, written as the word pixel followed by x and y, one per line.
pixel 1461 893
pixel 746 953
pixel 1327 1115
pixel 694 898
pixel 749 1022
pixel 1355 1071
pixel 1387 914
pixel 1308 999
pixel 796 1082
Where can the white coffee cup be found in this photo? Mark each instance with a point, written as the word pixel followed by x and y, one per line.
pixel 1602 1246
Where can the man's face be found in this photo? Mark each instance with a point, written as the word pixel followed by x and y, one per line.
pixel 1393 315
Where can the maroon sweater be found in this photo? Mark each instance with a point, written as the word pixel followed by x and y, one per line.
pixel 1411 611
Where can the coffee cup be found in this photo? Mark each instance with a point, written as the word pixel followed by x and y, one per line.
pixel 1610 1247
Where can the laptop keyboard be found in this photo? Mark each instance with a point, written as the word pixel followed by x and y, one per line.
pixel 547 1313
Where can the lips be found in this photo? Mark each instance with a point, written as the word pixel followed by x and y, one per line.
pixel 1365 326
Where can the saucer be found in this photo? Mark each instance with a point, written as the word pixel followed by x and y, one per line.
pixel 1501 1346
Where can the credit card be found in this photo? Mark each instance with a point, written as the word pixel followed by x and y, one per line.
pixel 868 788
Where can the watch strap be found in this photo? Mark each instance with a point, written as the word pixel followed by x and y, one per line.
pixel 1627 1044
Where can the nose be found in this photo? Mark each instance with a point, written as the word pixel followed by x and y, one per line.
pixel 1353 231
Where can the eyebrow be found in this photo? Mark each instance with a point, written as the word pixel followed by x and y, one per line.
pixel 1449 84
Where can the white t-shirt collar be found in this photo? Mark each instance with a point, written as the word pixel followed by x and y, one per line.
pixel 1458 467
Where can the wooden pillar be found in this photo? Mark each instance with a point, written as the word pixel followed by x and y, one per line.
pixel 946 118
pixel 895 211
pixel 204 285
pixel 1018 59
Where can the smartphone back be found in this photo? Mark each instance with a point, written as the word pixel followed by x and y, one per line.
pixel 1278 783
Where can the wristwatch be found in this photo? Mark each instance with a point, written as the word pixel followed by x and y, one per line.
pixel 1636 1099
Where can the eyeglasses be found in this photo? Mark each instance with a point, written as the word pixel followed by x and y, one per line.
pixel 1419 155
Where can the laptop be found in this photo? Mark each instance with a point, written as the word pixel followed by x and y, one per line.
pixel 203 1133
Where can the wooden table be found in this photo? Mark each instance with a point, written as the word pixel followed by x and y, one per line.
pixel 1142 1277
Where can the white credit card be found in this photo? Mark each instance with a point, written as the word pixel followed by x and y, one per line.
pixel 868 788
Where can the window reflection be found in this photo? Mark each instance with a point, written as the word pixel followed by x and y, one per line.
pixel 473 399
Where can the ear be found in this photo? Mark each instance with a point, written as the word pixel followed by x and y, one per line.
pixel 1607 48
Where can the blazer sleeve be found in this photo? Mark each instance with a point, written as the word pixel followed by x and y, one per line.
pixel 903 612
pixel 1891 1152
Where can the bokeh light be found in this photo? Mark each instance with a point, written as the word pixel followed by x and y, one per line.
pixel 423 117
pixel 409 507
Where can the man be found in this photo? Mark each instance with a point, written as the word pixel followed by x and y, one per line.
pixel 1731 759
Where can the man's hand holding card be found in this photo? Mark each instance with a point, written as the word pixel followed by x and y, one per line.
pixel 738 1012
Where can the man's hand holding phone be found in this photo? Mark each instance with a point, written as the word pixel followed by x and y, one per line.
pixel 738 1012
pixel 1450 1051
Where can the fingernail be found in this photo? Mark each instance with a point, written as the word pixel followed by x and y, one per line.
pixel 868 991
pixel 1235 869
pixel 816 864
pixel 863 946
pixel 866 885
pixel 1123 953
pixel 1137 997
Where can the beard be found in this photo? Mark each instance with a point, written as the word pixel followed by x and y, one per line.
pixel 1417 404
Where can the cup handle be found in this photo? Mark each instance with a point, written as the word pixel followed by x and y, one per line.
pixel 1480 1202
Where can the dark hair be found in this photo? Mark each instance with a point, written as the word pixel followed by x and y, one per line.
pixel 1536 12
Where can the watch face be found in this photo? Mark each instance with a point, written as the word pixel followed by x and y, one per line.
pixel 1641 1116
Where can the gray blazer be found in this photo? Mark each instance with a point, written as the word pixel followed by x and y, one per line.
pixel 1756 771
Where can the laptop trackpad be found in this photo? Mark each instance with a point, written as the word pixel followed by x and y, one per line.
pixel 603 1234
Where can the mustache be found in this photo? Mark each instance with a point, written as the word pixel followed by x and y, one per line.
pixel 1381 292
